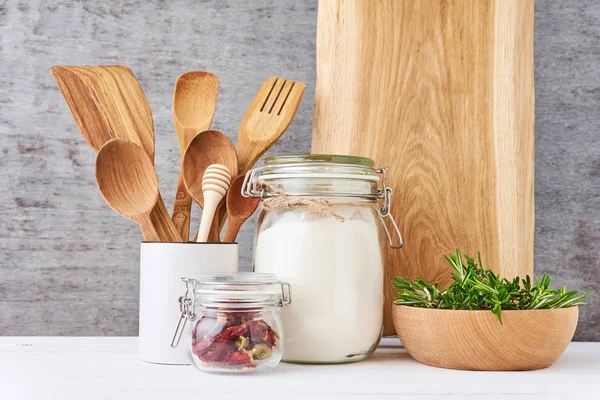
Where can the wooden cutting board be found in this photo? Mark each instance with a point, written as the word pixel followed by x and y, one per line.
pixel 442 92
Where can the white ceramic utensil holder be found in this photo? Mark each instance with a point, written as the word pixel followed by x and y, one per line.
pixel 162 265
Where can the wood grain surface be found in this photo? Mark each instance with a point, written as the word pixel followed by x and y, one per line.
pixel 475 340
pixel 266 119
pixel 441 92
pixel 107 102
pixel 239 209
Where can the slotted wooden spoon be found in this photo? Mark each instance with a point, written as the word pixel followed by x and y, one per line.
pixel 268 116
pixel 266 119
pixel 194 102
pixel 107 103
pixel 127 180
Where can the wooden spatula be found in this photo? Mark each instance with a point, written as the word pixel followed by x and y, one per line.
pixel 194 102
pixel 267 117
pixel 107 102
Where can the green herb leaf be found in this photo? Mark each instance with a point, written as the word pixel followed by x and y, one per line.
pixel 477 288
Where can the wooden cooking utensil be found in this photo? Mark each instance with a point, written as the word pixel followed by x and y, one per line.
pixel 140 115
pixel 215 182
pixel 206 148
pixel 194 102
pixel 450 110
pixel 268 116
pixel 239 209
pixel 127 180
pixel 266 119
pixel 107 103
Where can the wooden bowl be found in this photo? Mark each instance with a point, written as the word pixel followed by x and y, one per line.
pixel 475 340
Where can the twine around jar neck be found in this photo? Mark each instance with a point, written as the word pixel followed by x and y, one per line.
pixel 308 205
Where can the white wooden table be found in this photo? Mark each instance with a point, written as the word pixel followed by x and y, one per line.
pixel 69 368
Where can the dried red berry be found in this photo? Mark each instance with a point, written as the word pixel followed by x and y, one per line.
pixel 240 358
pixel 215 340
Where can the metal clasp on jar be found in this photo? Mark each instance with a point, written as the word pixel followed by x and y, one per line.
pixel 384 211
pixel 186 305
pixel 286 298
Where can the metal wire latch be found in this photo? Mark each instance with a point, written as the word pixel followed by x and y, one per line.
pixel 384 211
pixel 286 298
pixel 186 305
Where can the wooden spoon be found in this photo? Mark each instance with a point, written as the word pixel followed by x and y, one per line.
pixel 206 148
pixel 127 180
pixel 107 103
pixel 267 117
pixel 215 182
pixel 194 102
pixel 239 209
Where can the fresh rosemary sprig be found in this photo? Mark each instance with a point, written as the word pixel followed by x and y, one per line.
pixel 477 288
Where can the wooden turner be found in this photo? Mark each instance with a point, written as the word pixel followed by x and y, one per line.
pixel 107 102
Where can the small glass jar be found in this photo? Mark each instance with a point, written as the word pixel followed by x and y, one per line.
pixel 319 229
pixel 235 321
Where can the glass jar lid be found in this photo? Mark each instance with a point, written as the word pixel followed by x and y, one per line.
pixel 317 175
pixel 230 292
pixel 242 290
pixel 321 158
pixel 319 166
pixel 330 177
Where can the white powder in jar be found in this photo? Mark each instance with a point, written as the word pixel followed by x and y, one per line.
pixel 336 274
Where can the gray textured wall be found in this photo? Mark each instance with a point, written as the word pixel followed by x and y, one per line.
pixel 68 264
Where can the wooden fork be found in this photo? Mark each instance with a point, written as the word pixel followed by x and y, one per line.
pixel 267 117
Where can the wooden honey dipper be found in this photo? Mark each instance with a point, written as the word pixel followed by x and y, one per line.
pixel 215 182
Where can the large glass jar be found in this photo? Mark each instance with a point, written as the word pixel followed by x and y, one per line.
pixel 320 230
pixel 234 321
